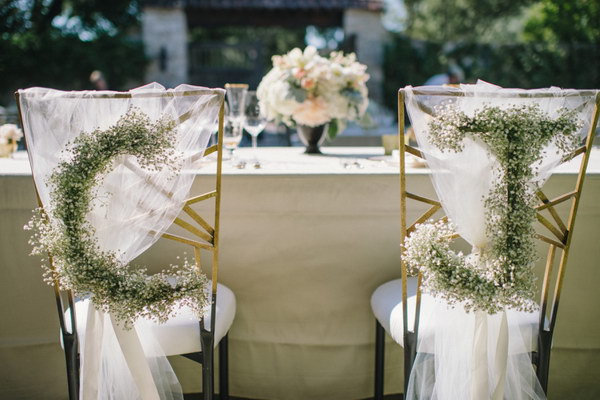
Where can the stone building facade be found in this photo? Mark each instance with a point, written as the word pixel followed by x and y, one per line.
pixel 165 36
pixel 166 25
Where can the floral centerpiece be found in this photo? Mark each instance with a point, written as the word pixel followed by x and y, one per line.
pixel 306 89
pixel 10 134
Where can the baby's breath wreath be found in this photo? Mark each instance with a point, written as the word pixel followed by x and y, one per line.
pixel 501 274
pixel 65 233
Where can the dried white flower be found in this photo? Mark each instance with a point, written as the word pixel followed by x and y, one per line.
pixel 501 274
pixel 80 265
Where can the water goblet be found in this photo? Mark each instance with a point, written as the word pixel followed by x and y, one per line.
pixel 232 135
pixel 236 98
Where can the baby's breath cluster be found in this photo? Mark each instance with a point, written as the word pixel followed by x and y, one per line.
pixel 448 274
pixel 501 274
pixel 79 264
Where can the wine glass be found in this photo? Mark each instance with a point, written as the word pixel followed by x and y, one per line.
pixel 255 121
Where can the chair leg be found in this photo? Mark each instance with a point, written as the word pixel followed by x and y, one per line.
pixel 224 368
pixel 379 360
pixel 72 359
pixel 543 358
pixel 208 384
pixel 410 354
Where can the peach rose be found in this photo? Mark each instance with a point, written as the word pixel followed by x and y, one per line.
pixel 312 112
pixel 307 83
pixel 299 73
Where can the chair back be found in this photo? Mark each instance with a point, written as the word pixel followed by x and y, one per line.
pixel 155 100
pixel 558 235
pixel 204 236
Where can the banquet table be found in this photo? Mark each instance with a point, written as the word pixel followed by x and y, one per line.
pixel 305 240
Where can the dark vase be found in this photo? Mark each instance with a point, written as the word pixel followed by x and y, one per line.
pixel 312 137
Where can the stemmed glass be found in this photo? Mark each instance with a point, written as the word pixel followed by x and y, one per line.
pixel 255 121
pixel 234 116
pixel 232 135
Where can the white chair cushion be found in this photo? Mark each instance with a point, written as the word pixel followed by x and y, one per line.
pixel 181 333
pixel 386 303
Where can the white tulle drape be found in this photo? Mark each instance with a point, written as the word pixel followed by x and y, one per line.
pixel 475 355
pixel 131 210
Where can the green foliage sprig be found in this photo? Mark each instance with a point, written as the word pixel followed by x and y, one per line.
pixel 501 274
pixel 67 235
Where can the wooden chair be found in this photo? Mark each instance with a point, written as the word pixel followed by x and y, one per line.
pixel 184 334
pixel 406 292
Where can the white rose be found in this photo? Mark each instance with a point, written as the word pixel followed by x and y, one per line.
pixel 310 52
pixel 294 57
pixel 10 131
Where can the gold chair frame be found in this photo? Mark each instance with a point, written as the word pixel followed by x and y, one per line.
pixel 561 242
pixel 204 237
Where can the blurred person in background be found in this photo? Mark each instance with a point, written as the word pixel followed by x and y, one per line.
pixel 98 80
pixel 454 75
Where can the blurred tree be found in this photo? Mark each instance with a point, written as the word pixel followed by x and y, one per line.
pixel 85 17
pixel 243 53
pixel 565 22
pixel 459 20
pixel 276 40
pixel 59 43
pixel 556 42
pixel 571 30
